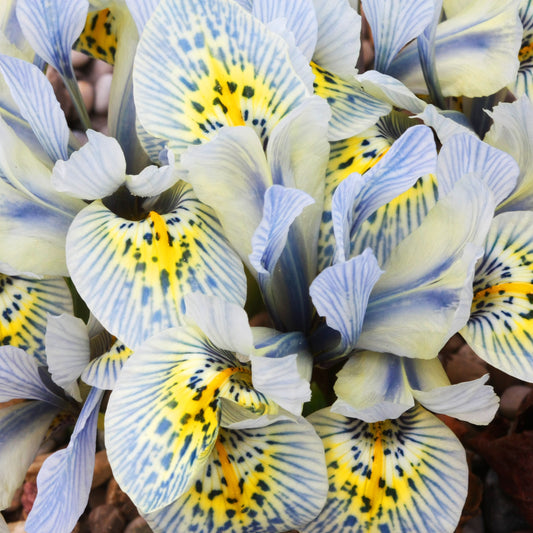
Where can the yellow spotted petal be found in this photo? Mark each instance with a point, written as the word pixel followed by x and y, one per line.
pixel 524 79
pixel 408 474
pixel 163 415
pixel 99 36
pixel 203 65
pixel 268 479
pixel 133 275
pixel 24 308
pixel 500 326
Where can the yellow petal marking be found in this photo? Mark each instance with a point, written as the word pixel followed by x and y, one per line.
pixel 519 287
pixel 99 37
pixel 232 481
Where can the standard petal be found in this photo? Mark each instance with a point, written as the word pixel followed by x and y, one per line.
pixel 394 23
pixel 443 122
pixel 228 82
pixel 20 378
pixel 512 132
pixel 103 371
pixel 340 293
pixel 162 418
pixel 499 329
pixel 465 154
pixel 51 28
pixel 23 427
pixel 476 50
pixel 235 157
pixel 353 110
pixel 38 105
pixel 408 474
pixel 141 11
pixel 67 351
pixel 339 41
pixel 268 479
pixel 300 19
pixel 134 274
pixel 372 387
pixel 96 170
pixel 224 323
pixel 415 307
pixel 66 476
pixel 25 305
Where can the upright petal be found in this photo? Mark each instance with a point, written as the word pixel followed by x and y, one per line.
pixel 416 307
pixel 339 41
pixel 463 154
pixel 408 474
pixel 476 50
pixel 512 132
pixel 394 23
pixel 38 105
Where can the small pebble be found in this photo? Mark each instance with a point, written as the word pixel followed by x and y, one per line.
pixel 512 398
pixel 17 527
pixel 102 469
pixel 97 496
pixel 99 68
pixel 33 470
pixel 87 94
pixel 464 365
pixel 29 493
pixel 102 90
pixel 79 59
pixel 61 92
pixel 139 525
pixel 106 519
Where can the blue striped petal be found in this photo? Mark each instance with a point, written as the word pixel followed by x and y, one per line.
pixel 410 157
pixel 133 275
pixel 300 19
pixel 481 38
pixel 141 11
pixel 415 307
pixel 235 156
pixel 51 28
pixel 268 479
pixel 20 378
pixel 36 100
pixel 67 351
pixel 339 41
pixel 511 132
pixel 66 476
pixel 445 123
pixel 225 83
pixel 278 256
pixel 162 418
pixel 23 427
pixel 408 474
pixel 372 387
pixel 465 154
pixel 340 293
pixel 25 305
pixel 394 23
pixel 499 329
pixel 94 171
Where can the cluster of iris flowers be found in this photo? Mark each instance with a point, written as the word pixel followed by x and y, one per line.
pixel 263 259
